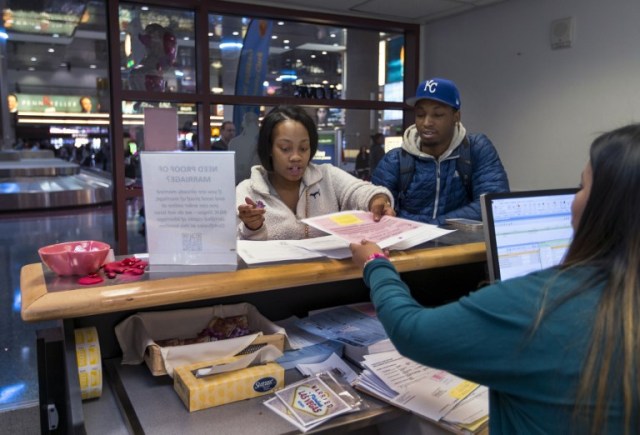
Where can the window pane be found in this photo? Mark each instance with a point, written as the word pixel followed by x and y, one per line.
pixel 262 57
pixel 133 119
pixel 157 49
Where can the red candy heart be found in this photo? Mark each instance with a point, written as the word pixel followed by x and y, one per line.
pixel 90 279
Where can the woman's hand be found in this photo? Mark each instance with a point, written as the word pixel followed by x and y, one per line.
pixel 380 205
pixel 252 214
pixel 362 251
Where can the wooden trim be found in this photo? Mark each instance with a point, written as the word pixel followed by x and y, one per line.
pixel 38 304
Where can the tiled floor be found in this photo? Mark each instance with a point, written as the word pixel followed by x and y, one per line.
pixel 20 238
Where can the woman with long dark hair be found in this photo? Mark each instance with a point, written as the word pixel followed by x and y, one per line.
pixel 558 348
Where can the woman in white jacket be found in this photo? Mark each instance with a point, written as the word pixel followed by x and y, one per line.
pixel 287 187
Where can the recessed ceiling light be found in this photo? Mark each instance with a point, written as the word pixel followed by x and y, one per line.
pixel 235 33
pixel 210 34
pixel 286 41
pixel 31 68
pixel 186 38
pixel 33 59
pixel 313 56
pixel 333 35
pixel 280 23
pixel 144 8
pixel 51 50
pixel 92 66
pixel 274 36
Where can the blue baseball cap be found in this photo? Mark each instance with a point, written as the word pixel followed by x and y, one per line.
pixel 442 90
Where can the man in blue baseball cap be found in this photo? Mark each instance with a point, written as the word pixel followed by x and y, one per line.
pixel 440 171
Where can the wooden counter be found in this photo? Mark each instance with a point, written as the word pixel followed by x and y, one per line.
pixel 279 291
pixel 39 303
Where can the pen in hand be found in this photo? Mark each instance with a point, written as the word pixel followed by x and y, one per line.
pixel 252 213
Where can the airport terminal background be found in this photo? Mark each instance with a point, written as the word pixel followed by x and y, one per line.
pixel 59 180
pixel 540 106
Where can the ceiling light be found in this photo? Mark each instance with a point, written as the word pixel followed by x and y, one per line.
pixel 210 34
pixel 51 50
pixel 31 68
pixel 186 38
pixel 324 52
pixel 55 35
pixel 235 33
pixel 313 56
pixel 280 23
pixel 33 59
pixel 144 8
pixel 286 41
pixel 92 66
pixel 230 45
pixel 274 36
pixel 333 35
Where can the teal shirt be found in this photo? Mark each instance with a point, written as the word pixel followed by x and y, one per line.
pixel 487 338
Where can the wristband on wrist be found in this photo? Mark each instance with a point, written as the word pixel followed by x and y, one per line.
pixel 374 256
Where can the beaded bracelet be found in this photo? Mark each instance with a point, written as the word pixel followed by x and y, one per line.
pixel 374 256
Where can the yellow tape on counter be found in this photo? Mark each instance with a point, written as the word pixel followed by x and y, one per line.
pixel 89 362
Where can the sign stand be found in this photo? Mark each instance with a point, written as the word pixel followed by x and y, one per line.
pixel 189 200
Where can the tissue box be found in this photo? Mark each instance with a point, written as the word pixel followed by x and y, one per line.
pixel 215 390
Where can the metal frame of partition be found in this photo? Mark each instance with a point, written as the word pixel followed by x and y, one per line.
pixel 203 98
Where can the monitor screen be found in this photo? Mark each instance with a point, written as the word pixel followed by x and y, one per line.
pixel 526 231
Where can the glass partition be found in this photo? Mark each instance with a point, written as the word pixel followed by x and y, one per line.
pixel 134 140
pixel 157 48
pixel 265 57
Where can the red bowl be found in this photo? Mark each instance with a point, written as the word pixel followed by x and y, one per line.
pixel 75 258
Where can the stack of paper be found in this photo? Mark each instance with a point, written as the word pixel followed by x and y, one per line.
pixel 303 347
pixel 355 326
pixel 431 393
pixel 390 232
pixel 272 251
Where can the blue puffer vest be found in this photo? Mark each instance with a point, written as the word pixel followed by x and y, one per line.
pixel 436 191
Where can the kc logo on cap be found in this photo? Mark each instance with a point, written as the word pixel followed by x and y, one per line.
pixel 442 90
pixel 431 86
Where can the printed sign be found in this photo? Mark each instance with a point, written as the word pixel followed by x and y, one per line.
pixel 190 218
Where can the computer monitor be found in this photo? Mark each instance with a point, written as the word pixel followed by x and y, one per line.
pixel 526 231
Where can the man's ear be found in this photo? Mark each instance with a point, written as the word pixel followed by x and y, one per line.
pixel 456 116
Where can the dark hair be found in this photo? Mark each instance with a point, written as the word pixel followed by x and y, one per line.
pixel 226 123
pixel 13 95
pixel 275 117
pixel 609 227
pixel 608 237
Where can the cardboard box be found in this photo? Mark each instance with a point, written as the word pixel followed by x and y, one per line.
pixel 155 362
pixel 137 336
pixel 215 390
